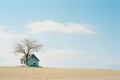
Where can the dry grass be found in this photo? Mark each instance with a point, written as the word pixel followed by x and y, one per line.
pixel 28 73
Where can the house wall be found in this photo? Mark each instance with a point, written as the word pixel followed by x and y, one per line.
pixel 32 61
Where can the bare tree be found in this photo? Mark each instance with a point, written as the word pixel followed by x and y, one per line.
pixel 27 46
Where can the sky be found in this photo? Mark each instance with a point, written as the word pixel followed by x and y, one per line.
pixel 75 33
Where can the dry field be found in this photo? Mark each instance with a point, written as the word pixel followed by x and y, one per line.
pixel 28 73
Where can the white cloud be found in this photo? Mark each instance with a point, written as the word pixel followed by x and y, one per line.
pixel 2 28
pixel 64 51
pixel 7 36
pixel 52 26
pixel 6 39
pixel 75 59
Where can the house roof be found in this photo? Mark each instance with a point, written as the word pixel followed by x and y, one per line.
pixel 29 56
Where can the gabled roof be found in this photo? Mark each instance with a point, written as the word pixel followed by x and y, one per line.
pixel 29 56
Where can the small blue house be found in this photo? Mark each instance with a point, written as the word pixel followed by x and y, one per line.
pixel 31 61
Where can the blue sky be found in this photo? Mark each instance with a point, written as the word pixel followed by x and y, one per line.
pixel 75 33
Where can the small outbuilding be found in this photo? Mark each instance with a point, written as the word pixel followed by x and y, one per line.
pixel 31 61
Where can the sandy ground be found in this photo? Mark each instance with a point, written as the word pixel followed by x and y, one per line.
pixel 28 73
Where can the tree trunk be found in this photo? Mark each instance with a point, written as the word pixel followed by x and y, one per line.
pixel 26 59
pixel 27 56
